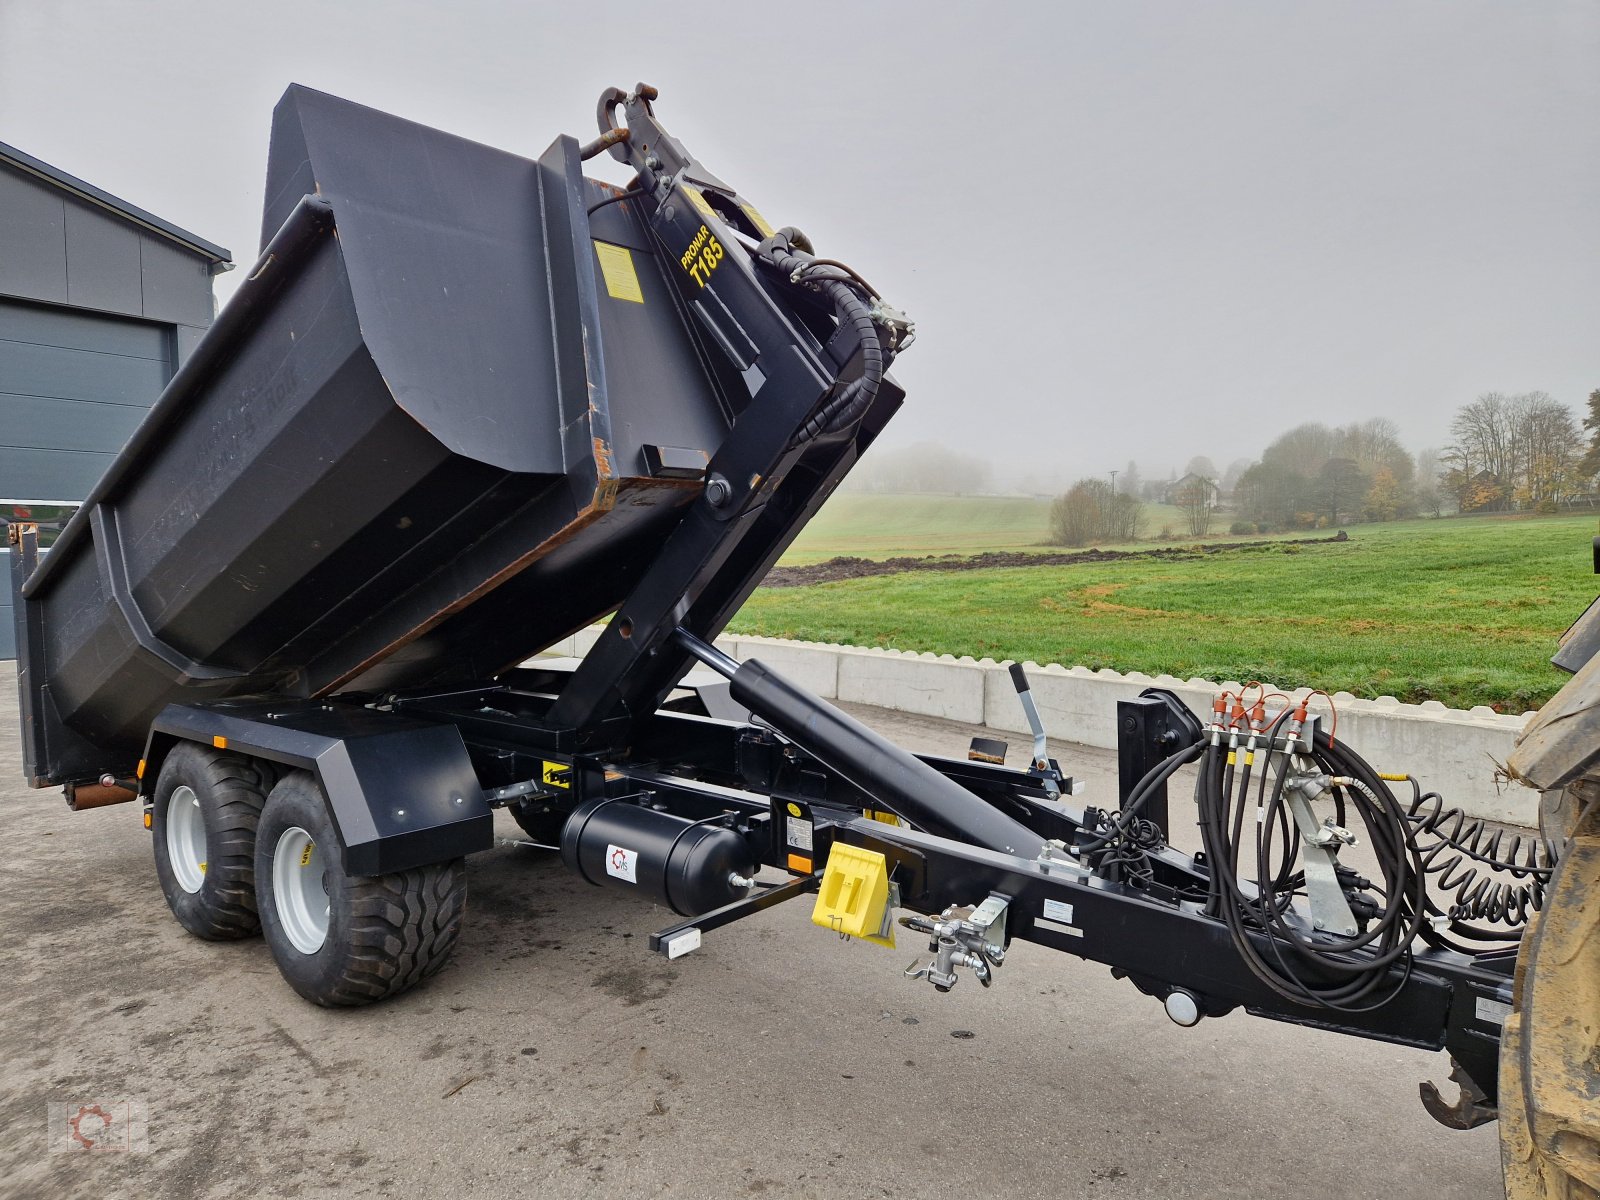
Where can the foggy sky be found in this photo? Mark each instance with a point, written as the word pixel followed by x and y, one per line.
pixel 1124 229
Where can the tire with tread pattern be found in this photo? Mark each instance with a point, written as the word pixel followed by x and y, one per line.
pixel 1549 1125
pixel 384 933
pixel 228 791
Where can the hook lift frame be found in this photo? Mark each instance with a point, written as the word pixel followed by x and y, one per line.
pixel 642 793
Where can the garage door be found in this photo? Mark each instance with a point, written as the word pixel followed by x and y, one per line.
pixel 73 387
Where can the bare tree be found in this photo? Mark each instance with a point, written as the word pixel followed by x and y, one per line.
pixel 1077 514
pixel 1551 447
pixel 1089 512
pixel 1375 446
pixel 1483 453
pixel 1197 497
pixel 1127 517
pixel 1522 449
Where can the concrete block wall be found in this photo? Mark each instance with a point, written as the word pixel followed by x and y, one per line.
pixel 1454 752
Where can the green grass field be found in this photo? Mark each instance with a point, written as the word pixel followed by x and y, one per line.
pixel 876 526
pixel 870 526
pixel 1466 611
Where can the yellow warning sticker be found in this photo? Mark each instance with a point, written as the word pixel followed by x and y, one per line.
pixel 794 809
pixel 557 775
pixel 305 856
pixel 757 219
pixel 698 199
pixel 616 265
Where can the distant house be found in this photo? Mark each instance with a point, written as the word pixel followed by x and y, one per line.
pixel 100 302
pixel 1178 489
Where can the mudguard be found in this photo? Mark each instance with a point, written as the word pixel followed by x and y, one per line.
pixel 402 792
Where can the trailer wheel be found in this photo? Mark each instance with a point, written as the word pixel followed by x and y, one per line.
pixel 203 820
pixel 342 939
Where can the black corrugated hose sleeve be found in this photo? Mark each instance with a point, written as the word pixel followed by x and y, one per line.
pixel 848 406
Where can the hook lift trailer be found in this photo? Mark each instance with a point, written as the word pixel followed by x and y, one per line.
pixel 467 403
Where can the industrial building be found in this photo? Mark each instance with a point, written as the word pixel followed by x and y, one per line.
pixel 100 302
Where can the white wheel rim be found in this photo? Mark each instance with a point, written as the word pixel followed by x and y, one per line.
pixel 186 838
pixel 302 902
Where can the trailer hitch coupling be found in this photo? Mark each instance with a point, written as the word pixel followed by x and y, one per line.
pixel 961 937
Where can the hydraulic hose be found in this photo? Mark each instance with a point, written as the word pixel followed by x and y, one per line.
pixel 1346 973
pixel 1240 769
pixel 1142 791
pixel 849 404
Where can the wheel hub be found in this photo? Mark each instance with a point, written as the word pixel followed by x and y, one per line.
pixel 186 838
pixel 298 889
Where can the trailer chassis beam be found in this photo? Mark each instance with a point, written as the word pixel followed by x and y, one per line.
pixel 1444 1001
pixel 1161 940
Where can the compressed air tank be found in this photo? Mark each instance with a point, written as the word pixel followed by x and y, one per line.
pixel 690 866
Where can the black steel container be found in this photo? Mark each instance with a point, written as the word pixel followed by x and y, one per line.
pixel 443 423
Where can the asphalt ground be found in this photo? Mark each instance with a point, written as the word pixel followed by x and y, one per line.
pixel 556 1056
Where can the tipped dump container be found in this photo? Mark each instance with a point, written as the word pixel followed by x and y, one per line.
pixel 442 424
